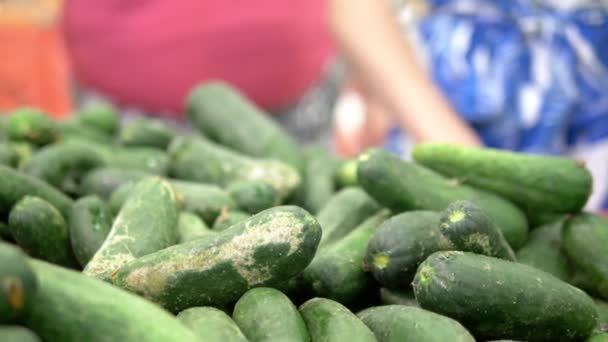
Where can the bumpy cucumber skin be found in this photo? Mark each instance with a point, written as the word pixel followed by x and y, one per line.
pixel 31 125
pixel 63 165
pixel 544 251
pixel 65 297
pixel 41 231
pixel 393 297
pixel 264 250
pixel 344 212
pixel 14 333
pixel 18 284
pixel 216 108
pixel 329 321
pixel 336 271
pixel 398 323
pixel 146 223
pixel 100 116
pixel 228 218
pixel 14 185
pixel 401 185
pixel 253 196
pixel 90 223
pixel 585 240
pixel 469 229
pixel 211 324
pixel 147 132
pixel 495 298
pixel 196 159
pixel 266 314
pixel 554 184
pixel 103 181
pixel 400 244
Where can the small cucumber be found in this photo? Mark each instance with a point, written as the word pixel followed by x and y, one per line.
pixel 14 333
pixel 544 251
pixel 41 231
pixel 31 125
pixel 399 323
pixel 18 284
pixel 329 321
pixel 394 297
pixel 266 314
pixel 211 324
pixel 253 196
pixel 101 116
pixel 145 224
pixel 90 223
pixel 103 181
pixel 264 250
pixel 148 133
pixel 191 227
pixel 228 218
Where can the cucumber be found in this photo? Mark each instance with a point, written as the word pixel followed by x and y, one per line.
pixel 553 184
pixel 101 116
pixel 196 159
pixel 63 165
pixel 602 312
pixel 228 218
pixel 90 223
pixel 264 250
pixel 211 325
pixel 329 321
pixel 399 323
pixel 65 297
pixel 145 224
pixel 495 298
pixel 469 229
pixel 317 178
pixel 103 181
pixel 74 131
pixel 31 125
pixel 544 251
pixel 253 196
pixel 41 231
pixel 585 240
pixel 8 155
pixel 336 271
pixel 346 173
pixel 5 232
pixel 17 284
pixel 401 185
pixel 266 314
pixel 537 218
pixel 343 212
pixel 225 115
pixel 394 297
pixel 13 333
pixel 598 337
pixel 24 152
pixel 15 185
pixel 145 159
pixel 191 227
pixel 400 244
pixel 147 132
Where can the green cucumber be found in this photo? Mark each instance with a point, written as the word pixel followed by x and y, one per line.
pixel 228 218
pixel 336 271
pixel 598 337
pixel 8 155
pixel 469 229
pixel 196 159
pixel 602 313
pixel 225 115
pixel 90 223
pixel 266 314
pixel 211 324
pixel 495 298
pixel 585 240
pixel 14 185
pixel 399 323
pixel 14 333
pixel 553 184
pixel 402 185
pixel 73 130
pixel 346 173
pixel 5 232
pixel 101 116
pixel 317 178
pixel 253 196
pixel 146 223
pixel 17 284
pixel 544 251
pixel 395 297
pixel 400 244
pixel 40 229
pixel 264 250
pixel 65 297
pixel 329 321
pixel 147 132
pixel 538 218
pixel 63 165
pixel 343 212
pixel 191 227
pixel 31 125
pixel 145 159
pixel 103 181
pixel 24 152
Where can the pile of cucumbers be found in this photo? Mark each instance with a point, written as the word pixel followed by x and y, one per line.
pixel 231 231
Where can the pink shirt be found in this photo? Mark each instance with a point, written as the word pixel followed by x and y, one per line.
pixel 150 53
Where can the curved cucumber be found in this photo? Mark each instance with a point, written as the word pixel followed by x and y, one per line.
pixel 90 223
pixel 266 314
pixel 211 324
pixel 264 250
pixel 18 282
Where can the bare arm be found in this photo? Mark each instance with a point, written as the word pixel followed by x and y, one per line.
pixel 370 40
